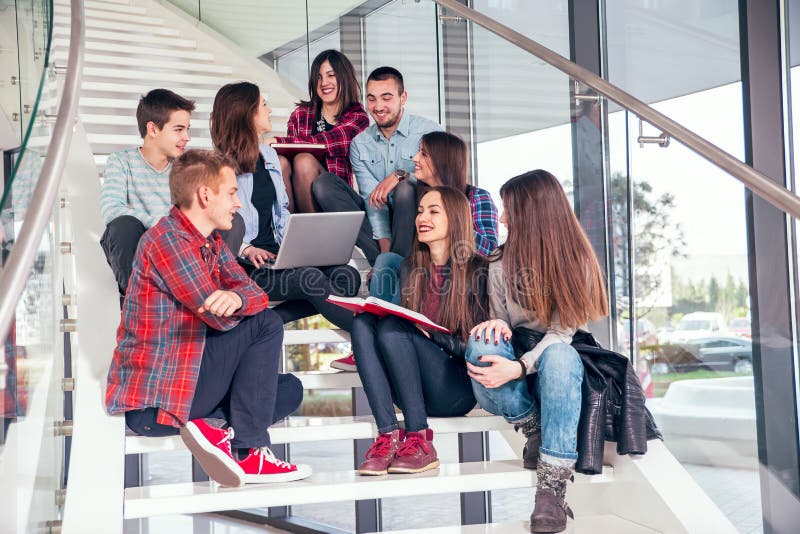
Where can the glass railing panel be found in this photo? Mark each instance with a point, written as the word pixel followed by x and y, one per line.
pixel 513 134
pixel 10 118
pixel 683 310
pixel 661 50
pixel 404 35
pixel 31 352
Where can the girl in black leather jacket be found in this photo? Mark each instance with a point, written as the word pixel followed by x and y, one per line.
pixel 404 364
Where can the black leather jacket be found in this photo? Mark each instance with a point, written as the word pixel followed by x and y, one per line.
pixel 612 406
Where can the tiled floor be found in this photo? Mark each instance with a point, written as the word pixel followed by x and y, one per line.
pixel 735 491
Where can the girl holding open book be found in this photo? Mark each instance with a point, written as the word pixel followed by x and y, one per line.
pixel 544 283
pixel 332 116
pixel 239 117
pixel 422 371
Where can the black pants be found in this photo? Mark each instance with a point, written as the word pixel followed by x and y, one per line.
pixel 331 193
pixel 397 363
pixel 304 290
pixel 404 215
pixel 239 382
pixel 122 235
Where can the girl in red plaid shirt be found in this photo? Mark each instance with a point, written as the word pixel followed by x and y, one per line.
pixel 333 116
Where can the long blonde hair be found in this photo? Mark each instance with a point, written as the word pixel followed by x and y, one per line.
pixel 547 259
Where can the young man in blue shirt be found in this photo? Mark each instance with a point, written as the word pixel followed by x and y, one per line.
pixel 381 159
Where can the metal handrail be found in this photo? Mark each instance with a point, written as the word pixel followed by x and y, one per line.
pixel 20 261
pixel 760 184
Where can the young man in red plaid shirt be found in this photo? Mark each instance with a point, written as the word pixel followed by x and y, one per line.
pixel 196 341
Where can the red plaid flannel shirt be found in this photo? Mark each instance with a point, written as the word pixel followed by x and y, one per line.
pixel 302 128
pixel 161 335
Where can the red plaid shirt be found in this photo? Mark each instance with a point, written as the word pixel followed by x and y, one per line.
pixel 302 128
pixel 161 336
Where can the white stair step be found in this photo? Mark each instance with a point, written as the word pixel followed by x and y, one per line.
pixel 191 498
pixel 162 77
pixel 134 140
pixel 100 59
pixel 106 87
pixel 322 335
pixel 119 2
pixel 587 524
pixel 101 24
pixel 137 16
pixel 329 379
pixel 104 35
pixel 304 429
pixel 128 104
pixel 142 51
pixel 92 20
pixel 115 7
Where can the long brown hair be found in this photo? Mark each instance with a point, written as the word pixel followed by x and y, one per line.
pixel 233 130
pixel 548 261
pixel 448 154
pixel 457 311
pixel 349 88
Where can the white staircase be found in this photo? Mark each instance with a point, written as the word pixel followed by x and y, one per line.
pixel 135 46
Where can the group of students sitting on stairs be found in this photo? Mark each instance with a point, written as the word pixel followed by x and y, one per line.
pixel 198 349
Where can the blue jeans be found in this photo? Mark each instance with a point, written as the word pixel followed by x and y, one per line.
pixel 385 280
pixel 557 387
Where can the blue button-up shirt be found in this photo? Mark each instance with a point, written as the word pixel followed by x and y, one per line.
pixel 374 157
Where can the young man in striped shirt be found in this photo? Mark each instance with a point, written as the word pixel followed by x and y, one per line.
pixel 135 192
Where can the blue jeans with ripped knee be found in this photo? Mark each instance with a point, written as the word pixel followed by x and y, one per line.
pixel 557 387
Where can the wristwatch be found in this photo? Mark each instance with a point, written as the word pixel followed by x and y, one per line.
pixel 401 174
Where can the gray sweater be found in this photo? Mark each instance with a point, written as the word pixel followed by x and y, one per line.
pixel 502 306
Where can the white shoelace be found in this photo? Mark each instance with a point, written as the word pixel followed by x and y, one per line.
pixel 228 437
pixel 265 452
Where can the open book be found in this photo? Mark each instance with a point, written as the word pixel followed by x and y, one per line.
pixel 382 308
pixel 290 150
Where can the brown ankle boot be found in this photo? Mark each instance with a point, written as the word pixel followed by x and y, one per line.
pixel 531 429
pixel 550 511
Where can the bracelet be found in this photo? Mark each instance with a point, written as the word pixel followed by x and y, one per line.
pixel 524 367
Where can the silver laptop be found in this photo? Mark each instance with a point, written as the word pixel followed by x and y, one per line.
pixel 318 240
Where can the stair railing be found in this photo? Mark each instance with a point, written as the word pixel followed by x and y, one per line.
pixel 15 273
pixel 778 196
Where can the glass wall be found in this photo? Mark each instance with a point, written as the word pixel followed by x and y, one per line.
pixel 679 241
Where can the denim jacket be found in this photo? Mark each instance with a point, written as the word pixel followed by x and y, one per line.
pixel 280 210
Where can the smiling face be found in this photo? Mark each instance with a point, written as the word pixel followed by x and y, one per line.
pixel 327 84
pixel 170 140
pixel 223 203
pixel 424 170
pixel 385 102
pixel 261 119
pixel 432 223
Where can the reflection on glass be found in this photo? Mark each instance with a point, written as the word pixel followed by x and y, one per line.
pixel 403 35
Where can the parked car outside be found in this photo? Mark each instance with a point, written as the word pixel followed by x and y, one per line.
pixel 740 326
pixel 697 325
pixel 720 353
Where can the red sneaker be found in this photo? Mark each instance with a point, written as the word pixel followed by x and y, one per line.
pixel 261 465
pixel 416 454
pixel 381 453
pixel 211 447
pixel 345 364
